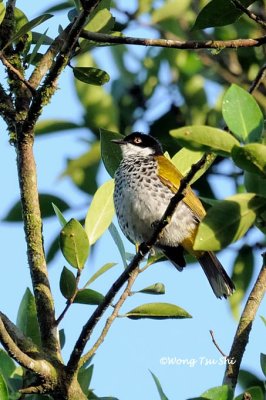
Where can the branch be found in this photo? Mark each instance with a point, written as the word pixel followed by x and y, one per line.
pixel 112 317
pixel 244 327
pixel 15 71
pixel 258 80
pixel 144 248
pixel 34 239
pixel 40 367
pixel 175 44
pixel 250 14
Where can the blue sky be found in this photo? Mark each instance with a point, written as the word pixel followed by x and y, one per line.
pixel 132 348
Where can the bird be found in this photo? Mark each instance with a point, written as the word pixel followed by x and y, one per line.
pixel 145 182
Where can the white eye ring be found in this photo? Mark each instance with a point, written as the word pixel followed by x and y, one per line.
pixel 137 140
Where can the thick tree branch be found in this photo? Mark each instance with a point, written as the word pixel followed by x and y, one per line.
pixel 41 367
pixel 249 13
pixel 174 44
pixel 244 327
pixel 144 248
pixel 112 317
pixel 33 232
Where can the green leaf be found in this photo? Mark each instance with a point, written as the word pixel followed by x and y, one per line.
pixel 219 393
pixel 251 157
pixel 62 338
pixel 247 379
pixel 91 76
pixel 185 158
pixel 263 319
pixel 52 249
pixel 88 296
pixel 82 170
pixel 27 317
pixel 74 244
pixel 101 212
pixel 205 138
pixel 39 43
pixel 46 40
pixel 110 152
pixel 159 387
pixel 255 183
pixel 46 200
pixel 2 12
pixel 119 243
pixel 28 27
pixel 3 389
pixel 100 272
pixel 156 288
pixel 255 393
pixel 7 365
pixel 263 363
pixel 47 126
pixel 84 378
pixel 68 284
pixel 228 220
pixel 59 215
pixel 242 274
pixel 158 311
pixel 169 9
pixel 101 20
pixel 219 13
pixel 242 114
pixel 100 107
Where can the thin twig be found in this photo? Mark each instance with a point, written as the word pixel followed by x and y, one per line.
pixel 143 250
pixel 112 317
pixel 174 44
pixel 261 75
pixel 69 301
pixel 216 344
pixel 249 13
pixel 244 327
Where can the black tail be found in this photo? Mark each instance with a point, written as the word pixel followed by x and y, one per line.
pixel 220 282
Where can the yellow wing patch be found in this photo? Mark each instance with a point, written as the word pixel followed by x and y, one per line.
pixel 171 177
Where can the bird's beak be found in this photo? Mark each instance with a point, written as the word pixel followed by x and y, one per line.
pixel 119 141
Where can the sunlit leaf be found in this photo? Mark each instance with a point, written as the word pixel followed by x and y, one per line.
pixel 3 389
pixel 68 283
pixel 101 20
pixel 158 311
pixel 219 393
pixel 88 296
pixel 251 157
pixel 242 114
pixel 27 317
pixel 205 138
pixel 185 158
pixel 159 387
pixel 101 212
pixel 228 220
pixel 47 126
pixel 156 288
pixel 2 11
pixel 59 215
pixel 74 244
pixel 100 272
pixel 263 319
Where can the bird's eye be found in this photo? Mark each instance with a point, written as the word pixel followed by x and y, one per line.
pixel 137 140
